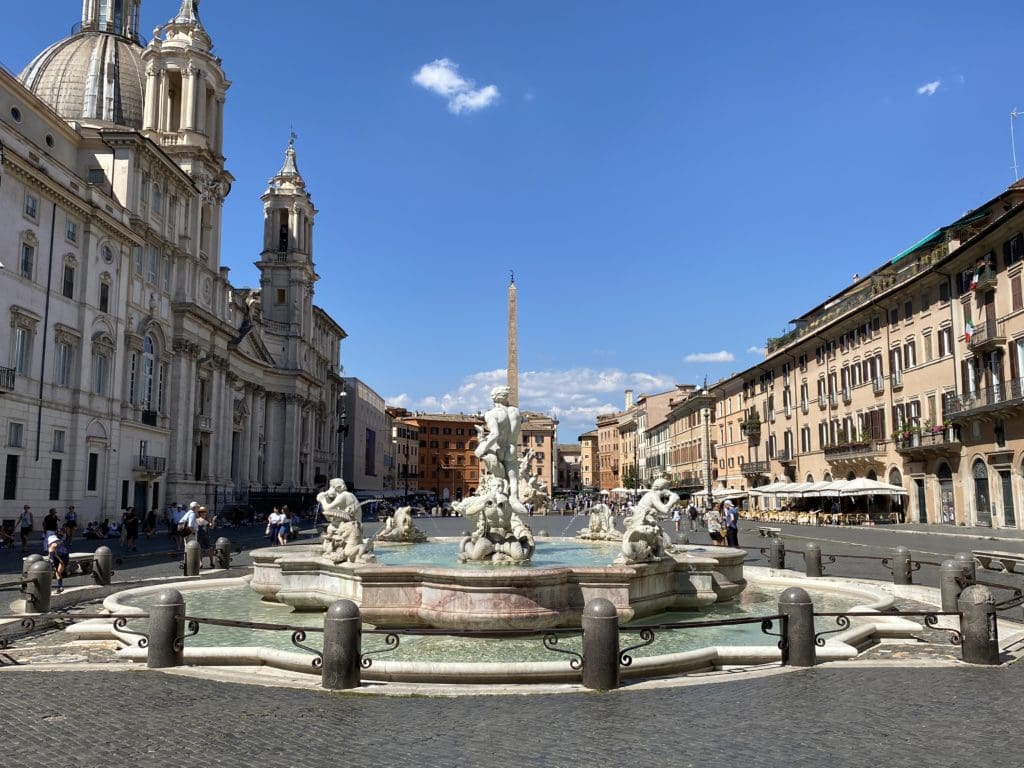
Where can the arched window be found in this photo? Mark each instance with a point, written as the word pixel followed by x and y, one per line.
pixel 146 377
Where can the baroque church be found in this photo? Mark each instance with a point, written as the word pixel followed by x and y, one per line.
pixel 134 373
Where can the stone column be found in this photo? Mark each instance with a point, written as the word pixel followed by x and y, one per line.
pixel 150 111
pixel 163 115
pixel 200 99
pixel 188 97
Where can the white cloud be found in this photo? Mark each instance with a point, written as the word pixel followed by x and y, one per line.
pixel 756 350
pixel 442 77
pixel 398 401
pixel 710 357
pixel 575 396
pixel 929 89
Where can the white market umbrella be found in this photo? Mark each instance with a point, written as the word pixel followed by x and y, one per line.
pixel 862 486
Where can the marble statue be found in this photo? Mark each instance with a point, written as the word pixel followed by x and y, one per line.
pixel 399 527
pixel 500 535
pixel 601 526
pixel 532 490
pixel 343 540
pixel 643 540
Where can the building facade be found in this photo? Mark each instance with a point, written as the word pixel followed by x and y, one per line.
pixel 138 374
pixel 570 465
pixel 590 460
pixel 367 452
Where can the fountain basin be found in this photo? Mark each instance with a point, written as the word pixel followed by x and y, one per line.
pixel 499 598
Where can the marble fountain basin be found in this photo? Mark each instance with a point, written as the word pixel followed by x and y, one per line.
pixel 538 596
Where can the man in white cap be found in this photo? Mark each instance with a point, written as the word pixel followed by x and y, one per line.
pixel 187 522
pixel 59 558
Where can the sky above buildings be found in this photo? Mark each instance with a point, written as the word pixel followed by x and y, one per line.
pixel 672 182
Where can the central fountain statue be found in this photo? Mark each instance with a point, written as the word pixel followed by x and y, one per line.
pixel 500 535
pixel 644 541
pixel 343 540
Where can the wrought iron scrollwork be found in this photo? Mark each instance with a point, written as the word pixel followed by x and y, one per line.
pixel 121 625
pixel 390 643
pixel 932 620
pixel 551 643
pixel 298 636
pixel 766 628
pixel 192 629
pixel 647 636
pixel 842 621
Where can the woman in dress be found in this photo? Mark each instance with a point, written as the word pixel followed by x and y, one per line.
pixel 273 524
pixel 204 534
pixel 284 529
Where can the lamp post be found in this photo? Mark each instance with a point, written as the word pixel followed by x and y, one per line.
pixel 706 403
pixel 342 430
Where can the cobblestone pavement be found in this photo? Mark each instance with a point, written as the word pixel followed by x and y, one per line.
pixel 865 713
pixel 893 716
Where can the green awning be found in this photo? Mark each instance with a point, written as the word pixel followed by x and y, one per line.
pixel 967 218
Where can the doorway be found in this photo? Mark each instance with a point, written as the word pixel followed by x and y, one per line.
pixel 982 506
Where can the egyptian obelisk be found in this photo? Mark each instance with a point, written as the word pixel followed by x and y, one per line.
pixel 513 344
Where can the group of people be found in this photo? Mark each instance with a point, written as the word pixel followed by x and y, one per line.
pixel 192 523
pixel 281 526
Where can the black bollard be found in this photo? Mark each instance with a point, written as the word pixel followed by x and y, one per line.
pixel 193 558
pixel 36 586
pixel 812 560
pixel 102 566
pixel 600 645
pixel 777 554
pixel 166 630
pixel 222 552
pixel 26 563
pixel 950 577
pixel 901 567
pixel 343 629
pixel 968 565
pixel 978 629
pixel 795 604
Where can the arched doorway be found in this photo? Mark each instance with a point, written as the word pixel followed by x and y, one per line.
pixel 983 511
pixel 872 475
pixel 947 502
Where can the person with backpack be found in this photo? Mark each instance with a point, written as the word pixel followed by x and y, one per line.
pixel 694 516
pixel 732 524
pixel 187 523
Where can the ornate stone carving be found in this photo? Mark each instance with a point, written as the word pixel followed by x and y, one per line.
pixel 399 527
pixel 602 525
pixel 643 540
pixel 343 540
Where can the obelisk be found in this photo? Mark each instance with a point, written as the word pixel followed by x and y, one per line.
pixel 513 344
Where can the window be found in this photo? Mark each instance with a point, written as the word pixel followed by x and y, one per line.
pixel 15 434
pixel 926 301
pixel 138 259
pixel 1015 294
pixel 371 452
pixel 152 264
pixel 31 206
pixel 1013 249
pixel 926 342
pixel 943 292
pixel 96 177
pixel 71 231
pixel 22 349
pixel 133 363
pixel 909 354
pixel 11 478
pixel 894 315
pixel 93 472
pixel 172 213
pixel 68 285
pixel 27 263
pixel 100 372
pixel 55 467
pixel 167 274
pixel 58 440
pixel 157 198
pixel 945 340
pixel 144 190
pixel 104 297
pixel 161 388
pixel 62 371
pixel 908 310
pixel 280 296
pixel 539 439
pixel 146 380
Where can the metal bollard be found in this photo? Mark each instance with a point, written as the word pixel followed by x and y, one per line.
pixel 978 628
pixel 777 554
pixel 969 566
pixel 600 645
pixel 36 586
pixel 812 560
pixel 193 558
pixel 343 629
pixel 26 563
pixel 222 552
pixel 950 575
pixel 166 630
pixel 901 571
pixel 798 628
pixel 102 566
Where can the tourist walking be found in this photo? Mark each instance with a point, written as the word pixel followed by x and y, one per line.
pixel 51 525
pixel 70 523
pixel 204 535
pixel 59 556
pixel 187 523
pixel 694 516
pixel 714 524
pixel 130 526
pixel 284 526
pixel 273 526
pixel 677 518
pixel 27 525
pixel 732 525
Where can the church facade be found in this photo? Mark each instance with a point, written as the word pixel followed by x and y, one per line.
pixel 134 373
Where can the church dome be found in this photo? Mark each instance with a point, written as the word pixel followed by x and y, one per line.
pixel 94 76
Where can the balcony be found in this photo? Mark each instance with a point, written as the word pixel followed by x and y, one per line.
pixel 822 403
pixel 987 278
pixel 784 456
pixel 7 379
pixel 944 442
pixel 203 423
pixel 833 400
pixel 803 407
pixel 754 468
pixel 878 386
pixel 992 401
pixel 854 453
pixel 152 464
pixel 987 336
pixel 896 380
pixel 847 396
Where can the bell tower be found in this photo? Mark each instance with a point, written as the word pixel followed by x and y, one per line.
pixel 287 272
pixel 184 113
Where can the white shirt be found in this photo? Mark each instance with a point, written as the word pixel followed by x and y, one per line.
pixel 188 517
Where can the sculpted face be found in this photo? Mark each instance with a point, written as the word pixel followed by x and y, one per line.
pixel 500 395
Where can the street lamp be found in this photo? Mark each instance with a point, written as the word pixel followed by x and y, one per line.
pixel 342 430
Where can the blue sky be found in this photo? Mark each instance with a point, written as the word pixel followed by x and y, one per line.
pixel 670 181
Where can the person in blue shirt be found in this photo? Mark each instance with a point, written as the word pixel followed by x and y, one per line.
pixel 732 522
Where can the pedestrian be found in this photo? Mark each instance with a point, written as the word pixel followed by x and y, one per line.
pixel 677 518
pixel 204 527
pixel 273 525
pixel 149 527
pixel 714 524
pixel 130 527
pixel 187 523
pixel 27 524
pixel 70 523
pixel 694 516
pixel 284 526
pixel 732 524
pixel 57 552
pixel 50 526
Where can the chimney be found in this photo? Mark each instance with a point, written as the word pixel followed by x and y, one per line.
pixel 629 399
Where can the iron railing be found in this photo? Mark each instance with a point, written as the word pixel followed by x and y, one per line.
pixel 1002 394
pixel 7 379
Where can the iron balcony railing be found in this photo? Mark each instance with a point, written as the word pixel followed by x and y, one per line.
pixel 946 439
pixel 896 379
pixel 1001 395
pixel 7 379
pixel 987 334
pixel 784 456
pixel 755 468
pixel 151 463
pixel 878 385
pixel 851 450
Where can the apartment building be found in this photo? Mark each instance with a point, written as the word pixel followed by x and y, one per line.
pixel 590 461
pixel 608 451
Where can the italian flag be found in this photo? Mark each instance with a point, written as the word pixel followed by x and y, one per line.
pixel 968 329
pixel 975 278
